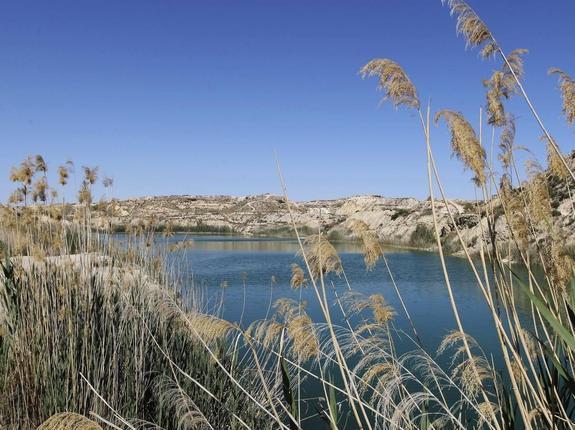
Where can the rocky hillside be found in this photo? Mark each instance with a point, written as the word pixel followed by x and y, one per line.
pixel 402 221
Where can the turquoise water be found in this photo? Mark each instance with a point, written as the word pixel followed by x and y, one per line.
pixel 209 261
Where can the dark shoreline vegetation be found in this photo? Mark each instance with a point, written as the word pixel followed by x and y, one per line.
pixel 95 334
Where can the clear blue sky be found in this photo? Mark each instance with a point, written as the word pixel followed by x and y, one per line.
pixel 194 96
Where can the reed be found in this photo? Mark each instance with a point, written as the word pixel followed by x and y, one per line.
pixel 76 308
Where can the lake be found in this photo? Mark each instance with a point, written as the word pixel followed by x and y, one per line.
pixel 210 261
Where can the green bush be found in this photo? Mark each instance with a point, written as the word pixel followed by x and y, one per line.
pixel 400 213
pixel 422 236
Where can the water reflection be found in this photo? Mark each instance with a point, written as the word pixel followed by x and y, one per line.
pixel 232 243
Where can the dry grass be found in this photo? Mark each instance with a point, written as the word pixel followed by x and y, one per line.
pixel 464 143
pixel 73 306
pixel 567 88
pixel 69 421
pixel 393 81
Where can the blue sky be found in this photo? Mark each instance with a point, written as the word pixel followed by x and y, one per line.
pixel 194 96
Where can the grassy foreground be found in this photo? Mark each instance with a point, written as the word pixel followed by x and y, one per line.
pixel 89 328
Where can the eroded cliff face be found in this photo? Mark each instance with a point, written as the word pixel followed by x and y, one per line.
pixel 402 221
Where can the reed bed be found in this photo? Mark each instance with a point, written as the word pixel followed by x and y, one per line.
pixel 91 329
pixel 102 331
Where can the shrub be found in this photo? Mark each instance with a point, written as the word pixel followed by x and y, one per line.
pixel 422 236
pixel 401 212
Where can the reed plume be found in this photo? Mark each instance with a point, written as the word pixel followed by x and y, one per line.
pixel 393 81
pixel 382 312
pixel 322 256
pixel 90 174
pixel 502 85
pixel 63 175
pixel 16 197
pixel 472 372
pixel 472 27
pixel 298 279
pixel 301 331
pixel 507 142
pixel 39 164
pixel 537 193
pixel 356 302
pixel 39 191
pixel 558 262
pixel 299 327
pixel 372 250
pixel 554 163
pixel 567 88
pixel 512 201
pixel 85 194
pixel 464 143
pixel 69 421
pixel 107 182
pixel 23 174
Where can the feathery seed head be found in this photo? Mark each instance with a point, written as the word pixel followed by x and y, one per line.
pixel 287 308
pixel 321 256
pixel 507 141
pixel 90 174
pixel 567 88
pixel 69 421
pixel 63 175
pixel 487 411
pixel 471 373
pixel 382 313
pixel 472 27
pixel 302 333
pixel 379 370
pixel 298 279
pixel 107 182
pixel 39 192
pixel 24 172
pixel 559 263
pixel 538 198
pixel 357 302
pixel 85 195
pixel 16 197
pixel 556 166
pixel 358 227
pixel 208 327
pixel 300 328
pixel 40 164
pixel 464 143
pixel 502 85
pixel 372 250
pixel 272 333
pixel 393 81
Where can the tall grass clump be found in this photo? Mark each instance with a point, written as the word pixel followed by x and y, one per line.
pixel 92 329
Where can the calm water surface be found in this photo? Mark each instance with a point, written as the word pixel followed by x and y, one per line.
pixel 212 260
